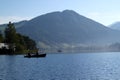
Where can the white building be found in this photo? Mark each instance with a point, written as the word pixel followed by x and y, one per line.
pixel 4 45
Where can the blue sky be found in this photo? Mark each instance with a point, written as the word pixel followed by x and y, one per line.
pixel 103 11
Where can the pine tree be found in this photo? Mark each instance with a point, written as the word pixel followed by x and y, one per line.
pixel 1 37
pixel 10 34
pixel 17 40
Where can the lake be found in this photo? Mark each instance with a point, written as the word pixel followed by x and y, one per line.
pixel 81 66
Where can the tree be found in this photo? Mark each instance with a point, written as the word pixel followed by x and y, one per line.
pixel 29 43
pixel 1 37
pixel 10 34
pixel 16 40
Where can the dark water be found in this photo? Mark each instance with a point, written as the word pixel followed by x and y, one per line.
pixel 84 66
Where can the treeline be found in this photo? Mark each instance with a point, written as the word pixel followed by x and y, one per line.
pixel 16 41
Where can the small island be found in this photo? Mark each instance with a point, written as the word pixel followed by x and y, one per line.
pixel 12 42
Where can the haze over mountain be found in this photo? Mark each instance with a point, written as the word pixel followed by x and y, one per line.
pixel 67 29
pixel 115 25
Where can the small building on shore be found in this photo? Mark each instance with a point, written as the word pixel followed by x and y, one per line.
pixel 4 45
pixel 6 48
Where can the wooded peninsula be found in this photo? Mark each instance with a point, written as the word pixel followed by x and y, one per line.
pixel 12 42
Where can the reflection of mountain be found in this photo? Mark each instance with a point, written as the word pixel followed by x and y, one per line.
pixel 68 29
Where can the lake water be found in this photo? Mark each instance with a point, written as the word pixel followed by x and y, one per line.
pixel 83 66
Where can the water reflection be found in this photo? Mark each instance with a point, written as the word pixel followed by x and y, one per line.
pixel 10 68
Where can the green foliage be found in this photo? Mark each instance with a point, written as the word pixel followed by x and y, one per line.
pixel 20 48
pixel 29 43
pixel 1 37
pixel 10 34
pixel 18 41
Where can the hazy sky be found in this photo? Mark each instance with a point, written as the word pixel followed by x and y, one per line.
pixel 103 11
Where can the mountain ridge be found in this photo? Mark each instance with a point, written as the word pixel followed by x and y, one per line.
pixel 67 29
pixel 115 25
pixel 67 25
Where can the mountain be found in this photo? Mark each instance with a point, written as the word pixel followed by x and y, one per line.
pixel 17 25
pixel 115 26
pixel 67 29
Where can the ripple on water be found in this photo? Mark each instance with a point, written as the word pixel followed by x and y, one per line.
pixel 95 66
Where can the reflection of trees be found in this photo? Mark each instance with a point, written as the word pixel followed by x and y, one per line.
pixel 10 68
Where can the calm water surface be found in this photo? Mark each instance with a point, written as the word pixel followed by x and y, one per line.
pixel 83 66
